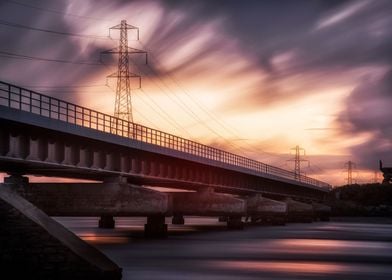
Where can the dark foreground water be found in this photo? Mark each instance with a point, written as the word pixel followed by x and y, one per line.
pixel 204 249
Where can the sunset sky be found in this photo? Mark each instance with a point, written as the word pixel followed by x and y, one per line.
pixel 253 77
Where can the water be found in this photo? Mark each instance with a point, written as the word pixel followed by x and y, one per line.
pixel 205 249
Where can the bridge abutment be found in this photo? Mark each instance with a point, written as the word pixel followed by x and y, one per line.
pixel 34 246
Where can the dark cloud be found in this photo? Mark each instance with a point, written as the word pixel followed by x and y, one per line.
pixel 22 41
pixel 368 111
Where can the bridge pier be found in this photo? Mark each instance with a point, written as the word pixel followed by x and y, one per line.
pixel 299 212
pixel 206 202
pixel 266 211
pixel 106 222
pixel 321 212
pixel 155 227
pixel 178 219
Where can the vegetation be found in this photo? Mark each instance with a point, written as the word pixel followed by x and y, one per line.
pixel 362 200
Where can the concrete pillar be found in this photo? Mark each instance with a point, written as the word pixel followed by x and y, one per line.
pixel 98 159
pixel 36 151
pixel 17 146
pixel 4 142
pixel 135 166
pixel 85 157
pixel 70 157
pixel 162 170
pixel 155 227
pixel 125 165
pixel 54 152
pixel 112 162
pixel 178 219
pixel 235 222
pixel 223 218
pixel 145 167
pixel 106 222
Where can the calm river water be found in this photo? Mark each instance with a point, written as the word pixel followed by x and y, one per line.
pixel 205 249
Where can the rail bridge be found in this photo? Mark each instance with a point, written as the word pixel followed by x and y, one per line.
pixel 42 135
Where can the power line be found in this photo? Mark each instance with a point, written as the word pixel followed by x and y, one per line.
pixel 212 116
pixel 56 11
pixel 28 57
pixel 17 25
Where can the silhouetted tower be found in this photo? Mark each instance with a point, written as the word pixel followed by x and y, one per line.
pixel 123 103
pixel 350 166
pixel 297 161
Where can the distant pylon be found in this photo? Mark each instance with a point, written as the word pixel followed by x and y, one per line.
pixel 350 166
pixel 123 102
pixel 297 161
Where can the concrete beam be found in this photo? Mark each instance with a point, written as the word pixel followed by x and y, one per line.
pixel 265 210
pixel 299 211
pixel 95 199
pixel 207 203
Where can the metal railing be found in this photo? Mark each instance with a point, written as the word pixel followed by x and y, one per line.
pixel 26 100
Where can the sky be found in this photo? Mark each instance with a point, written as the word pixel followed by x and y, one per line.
pixel 255 78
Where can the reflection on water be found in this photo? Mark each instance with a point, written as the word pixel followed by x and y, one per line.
pixel 205 249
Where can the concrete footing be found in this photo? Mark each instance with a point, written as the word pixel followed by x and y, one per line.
pixel 266 211
pixel 299 212
pixel 155 227
pixel 223 218
pixel 235 222
pixel 106 222
pixel 178 219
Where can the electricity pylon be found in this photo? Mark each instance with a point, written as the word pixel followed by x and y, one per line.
pixel 350 166
pixel 297 161
pixel 123 103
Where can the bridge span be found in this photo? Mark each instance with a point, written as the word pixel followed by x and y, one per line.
pixel 42 135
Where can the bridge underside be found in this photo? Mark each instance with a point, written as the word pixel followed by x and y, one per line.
pixel 40 151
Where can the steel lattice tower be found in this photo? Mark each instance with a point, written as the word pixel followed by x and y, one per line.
pixel 297 161
pixel 350 165
pixel 123 102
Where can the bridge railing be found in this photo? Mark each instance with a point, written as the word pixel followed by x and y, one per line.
pixel 26 100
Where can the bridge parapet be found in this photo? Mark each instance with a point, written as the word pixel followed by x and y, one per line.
pixel 138 136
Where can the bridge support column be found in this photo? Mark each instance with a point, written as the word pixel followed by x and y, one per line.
pixel 321 211
pixel 36 151
pixel 69 155
pixel 54 152
pixel 299 212
pixel 235 222
pixel 266 211
pixel 85 157
pixel 17 146
pixel 155 227
pixel 106 222
pixel 208 203
pixel 178 219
